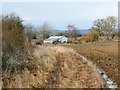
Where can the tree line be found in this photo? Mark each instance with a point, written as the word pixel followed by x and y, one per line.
pixel 105 28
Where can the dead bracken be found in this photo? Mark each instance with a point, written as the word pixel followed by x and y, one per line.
pixel 59 68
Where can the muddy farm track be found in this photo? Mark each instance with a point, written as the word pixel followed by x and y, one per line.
pixel 63 67
pixel 104 54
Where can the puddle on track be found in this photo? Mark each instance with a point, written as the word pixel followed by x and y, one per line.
pixel 108 81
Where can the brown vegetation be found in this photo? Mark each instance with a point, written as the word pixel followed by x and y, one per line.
pixel 92 35
pixel 56 67
pixel 50 67
pixel 13 42
pixel 15 46
pixel 104 54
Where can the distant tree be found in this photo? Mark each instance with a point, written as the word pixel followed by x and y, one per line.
pixel 105 26
pixel 94 34
pixel 91 36
pixel 86 38
pixel 71 27
pixel 72 31
pixel 60 34
pixel 109 24
pixel 31 32
pixel 45 30
pixel 98 25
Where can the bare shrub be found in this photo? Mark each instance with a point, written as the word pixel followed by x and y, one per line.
pixel 91 36
pixel 15 47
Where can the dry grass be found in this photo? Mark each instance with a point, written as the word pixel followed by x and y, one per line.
pixel 104 54
pixel 56 67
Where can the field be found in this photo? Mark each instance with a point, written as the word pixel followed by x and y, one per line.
pixel 104 54
pixel 55 67
pixel 60 66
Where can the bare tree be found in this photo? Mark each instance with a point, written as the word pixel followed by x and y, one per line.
pixel 110 24
pixel 98 25
pixel 72 31
pixel 45 30
pixel 106 25
pixel 31 32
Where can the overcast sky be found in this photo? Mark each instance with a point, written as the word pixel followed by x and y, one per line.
pixel 60 14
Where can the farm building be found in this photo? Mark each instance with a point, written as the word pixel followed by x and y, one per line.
pixel 55 39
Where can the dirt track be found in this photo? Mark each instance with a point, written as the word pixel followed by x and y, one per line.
pixel 104 54
pixel 73 72
pixel 58 67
